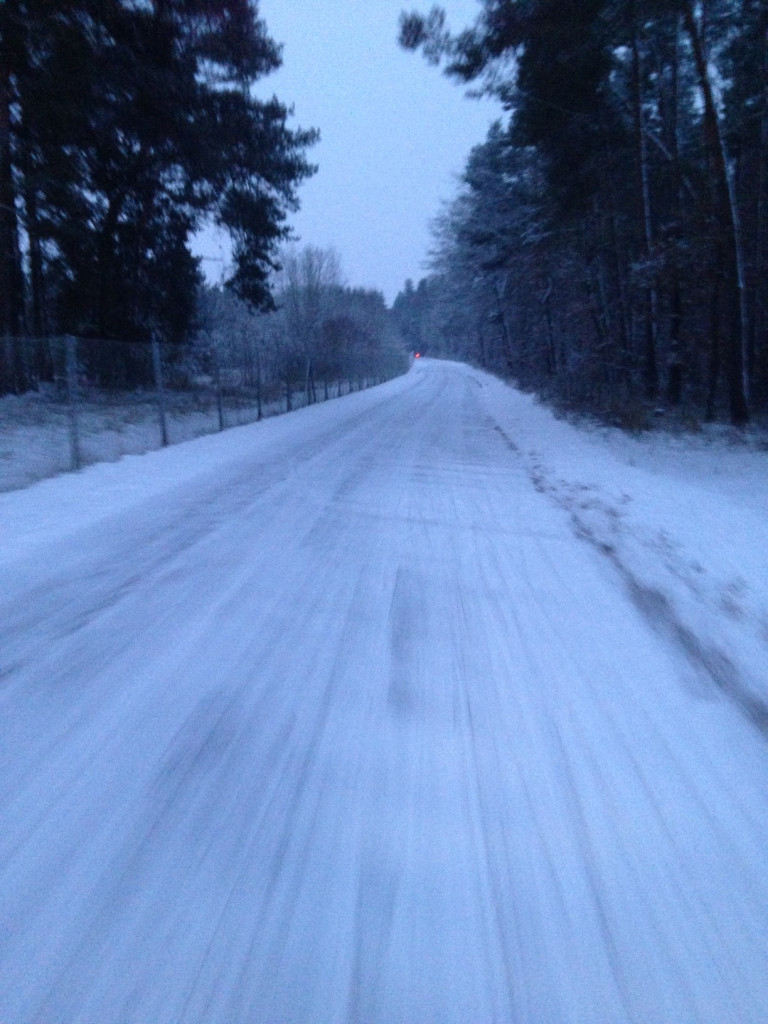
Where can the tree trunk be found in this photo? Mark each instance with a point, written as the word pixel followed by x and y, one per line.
pixel 675 370
pixel 758 363
pixel 620 274
pixel 11 276
pixel 675 367
pixel 105 271
pixel 728 222
pixel 506 339
pixel 546 302
pixel 713 375
pixel 258 381
pixel 43 361
pixel 13 371
pixel 650 303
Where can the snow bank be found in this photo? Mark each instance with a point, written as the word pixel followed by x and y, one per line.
pixel 683 519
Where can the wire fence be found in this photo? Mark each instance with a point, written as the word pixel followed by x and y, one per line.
pixel 98 400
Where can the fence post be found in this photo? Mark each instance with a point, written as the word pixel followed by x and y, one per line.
pixel 217 378
pixel 258 381
pixel 159 390
pixel 74 427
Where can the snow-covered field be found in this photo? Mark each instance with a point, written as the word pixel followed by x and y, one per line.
pixel 418 706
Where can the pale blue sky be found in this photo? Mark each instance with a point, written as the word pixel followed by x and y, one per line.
pixel 395 132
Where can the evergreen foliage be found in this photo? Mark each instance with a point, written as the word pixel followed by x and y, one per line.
pixel 124 127
pixel 609 244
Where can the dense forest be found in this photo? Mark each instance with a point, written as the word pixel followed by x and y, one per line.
pixel 124 127
pixel 608 245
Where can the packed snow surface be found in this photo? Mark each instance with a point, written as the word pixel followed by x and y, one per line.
pixel 417 706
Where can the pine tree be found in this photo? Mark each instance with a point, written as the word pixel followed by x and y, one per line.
pixel 123 127
pixel 649 178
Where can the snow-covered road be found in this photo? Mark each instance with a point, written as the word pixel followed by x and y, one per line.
pixel 349 726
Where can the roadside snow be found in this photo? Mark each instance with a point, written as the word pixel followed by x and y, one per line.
pixel 683 518
pixel 35 428
pixel 53 508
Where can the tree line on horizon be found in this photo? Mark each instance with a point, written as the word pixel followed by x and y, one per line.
pixel 319 336
pixel 608 244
